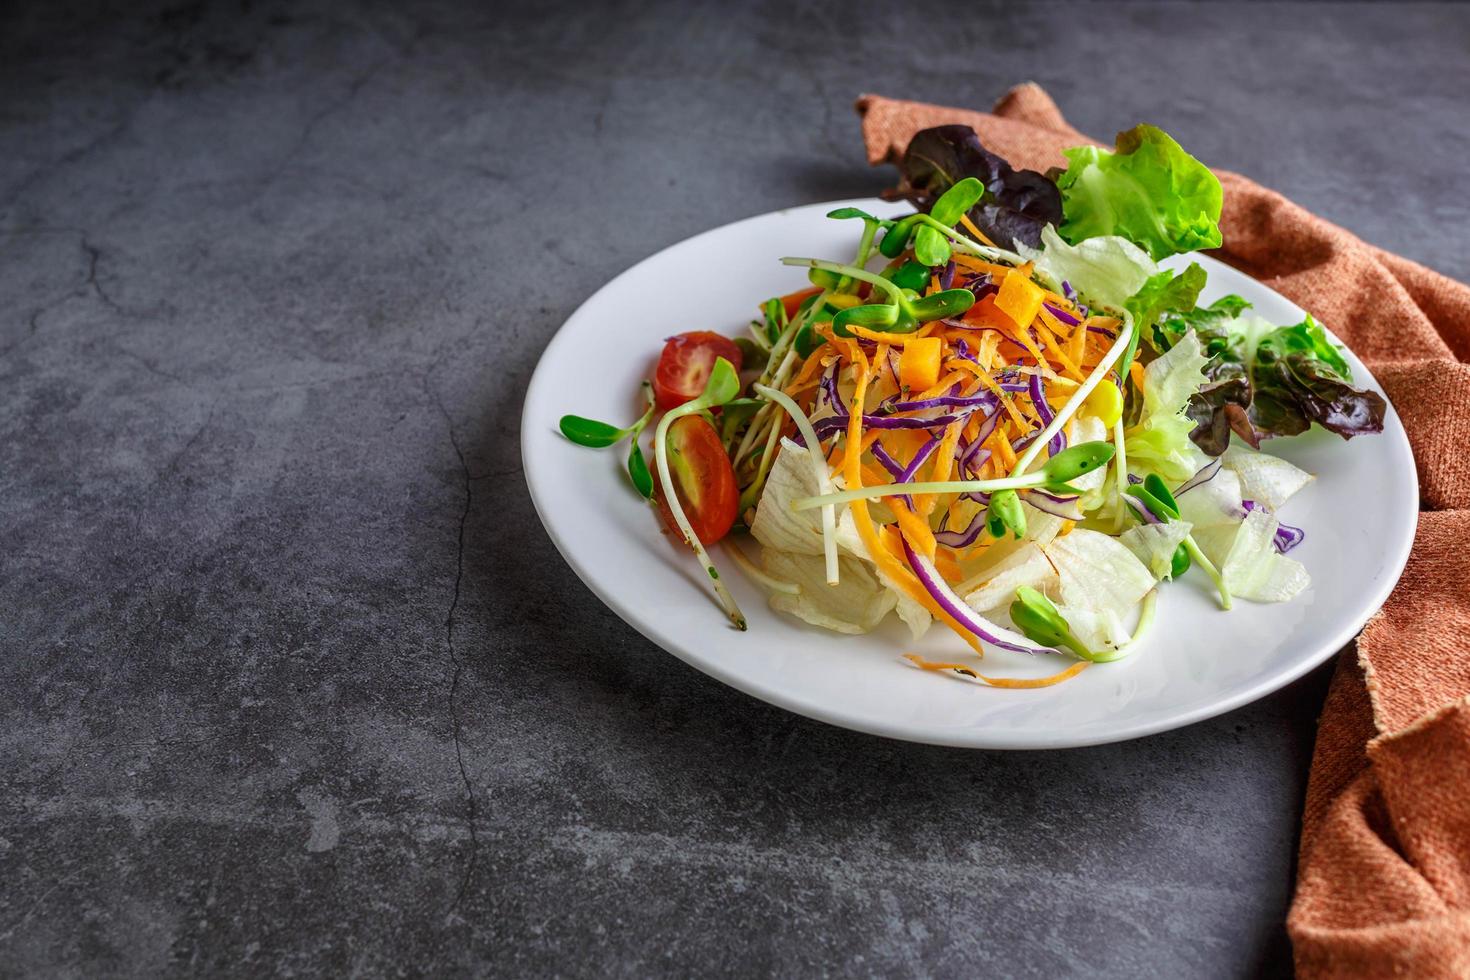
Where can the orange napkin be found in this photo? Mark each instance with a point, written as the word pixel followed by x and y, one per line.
pixel 1383 886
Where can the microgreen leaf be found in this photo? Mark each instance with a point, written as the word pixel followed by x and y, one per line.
pixel 1005 514
pixel 590 432
pixel 1180 563
pixel 638 471
pixel 896 239
pixel 937 306
pixel 775 312
pixel 1039 619
pixel 1079 459
pixel 842 213
pixel 1156 487
pixel 930 247
pixel 911 275
pixel 874 316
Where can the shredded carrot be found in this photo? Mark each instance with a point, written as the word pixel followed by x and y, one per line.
pixel 947 566
pixel 989 348
pixel 792 301
pixel 979 265
pixel 1024 338
pixel 1079 344
pixel 893 339
pixel 941 386
pixel 1007 682
pixel 1135 371
pixel 918 533
pixel 943 465
pixel 839 456
pixel 1059 355
pixel 1001 446
pixel 975 233
pixel 877 549
pixel 808 372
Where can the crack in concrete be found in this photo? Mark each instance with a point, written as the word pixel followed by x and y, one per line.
pixel 35 325
pixel 149 366
pixel 31 179
pixel 94 255
pixel 336 105
pixel 457 665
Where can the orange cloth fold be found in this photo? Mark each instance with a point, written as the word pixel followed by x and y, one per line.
pixel 1383 885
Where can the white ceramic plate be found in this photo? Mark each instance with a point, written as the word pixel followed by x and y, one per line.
pixel 1359 517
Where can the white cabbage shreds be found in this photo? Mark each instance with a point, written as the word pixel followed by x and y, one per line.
pixel 856 605
pixel 1248 561
pixel 1264 478
pixel 1100 582
pixel 1155 544
pixel 1025 566
pixel 776 525
pixel 1214 503
pixel 792 539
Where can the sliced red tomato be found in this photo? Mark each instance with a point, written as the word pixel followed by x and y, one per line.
pixel 684 366
pixel 704 480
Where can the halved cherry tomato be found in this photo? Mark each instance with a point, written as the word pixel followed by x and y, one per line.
pixel 684 366
pixel 704 480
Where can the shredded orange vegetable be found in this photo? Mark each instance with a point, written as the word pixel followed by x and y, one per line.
pixel 893 339
pixel 987 350
pixel 975 233
pixel 1010 682
pixel 943 465
pixel 877 549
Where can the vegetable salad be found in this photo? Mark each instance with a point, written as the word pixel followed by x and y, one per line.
pixel 998 414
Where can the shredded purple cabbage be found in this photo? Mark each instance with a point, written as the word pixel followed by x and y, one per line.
pixel 1142 510
pixel 1062 315
pixel 961 539
pixel 1203 475
pixel 944 596
pixel 1064 507
pixel 880 453
pixel 1045 414
pixel 1286 536
pixel 983 399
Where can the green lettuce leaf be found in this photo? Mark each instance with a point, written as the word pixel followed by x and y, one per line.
pixel 1106 271
pixel 1160 441
pixel 1268 381
pixel 1149 191
pixel 1207 321
pixel 1165 294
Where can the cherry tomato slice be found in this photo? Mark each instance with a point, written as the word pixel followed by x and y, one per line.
pixel 704 480
pixel 684 366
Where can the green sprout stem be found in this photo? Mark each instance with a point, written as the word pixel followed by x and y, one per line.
pixel 766 413
pixel 1037 479
pixel 819 467
pixel 1065 413
pixel 722 386
pixel 1145 623
pixel 1204 562
pixel 1122 473
pixel 959 238
pixel 853 272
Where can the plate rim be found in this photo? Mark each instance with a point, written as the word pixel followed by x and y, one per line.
pixel 983 739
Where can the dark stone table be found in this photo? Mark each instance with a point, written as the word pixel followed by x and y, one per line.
pixel 291 679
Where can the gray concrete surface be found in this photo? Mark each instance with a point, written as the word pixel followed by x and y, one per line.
pixel 291 680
